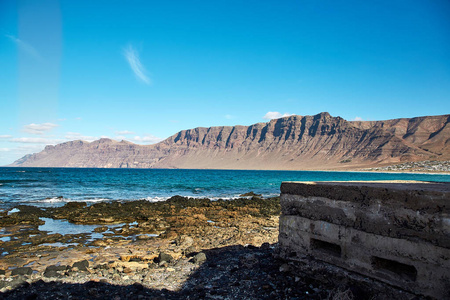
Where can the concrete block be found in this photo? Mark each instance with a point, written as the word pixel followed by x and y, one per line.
pixel 395 232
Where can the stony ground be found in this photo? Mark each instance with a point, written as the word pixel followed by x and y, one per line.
pixel 178 249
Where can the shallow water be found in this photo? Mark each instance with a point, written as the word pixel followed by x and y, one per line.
pixel 64 227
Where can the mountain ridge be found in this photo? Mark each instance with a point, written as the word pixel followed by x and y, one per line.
pixel 295 142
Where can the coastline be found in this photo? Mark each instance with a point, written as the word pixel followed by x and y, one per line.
pixel 349 169
pixel 130 238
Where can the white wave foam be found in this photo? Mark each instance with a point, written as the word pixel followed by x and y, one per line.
pixel 156 199
pixel 14 210
pixel 93 200
pixel 53 200
pixel 59 200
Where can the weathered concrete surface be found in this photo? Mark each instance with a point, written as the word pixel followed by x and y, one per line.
pixel 397 232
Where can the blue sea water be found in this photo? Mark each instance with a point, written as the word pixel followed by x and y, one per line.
pixel 57 186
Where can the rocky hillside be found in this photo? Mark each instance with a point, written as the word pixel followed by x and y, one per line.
pixel 295 142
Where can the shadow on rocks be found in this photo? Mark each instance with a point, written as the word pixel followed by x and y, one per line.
pixel 233 272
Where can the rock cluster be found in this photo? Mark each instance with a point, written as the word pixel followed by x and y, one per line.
pixel 178 249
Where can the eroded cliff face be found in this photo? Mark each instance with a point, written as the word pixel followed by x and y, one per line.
pixel 295 142
pixel 430 133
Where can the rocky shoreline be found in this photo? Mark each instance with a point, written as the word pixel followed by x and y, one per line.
pixel 182 248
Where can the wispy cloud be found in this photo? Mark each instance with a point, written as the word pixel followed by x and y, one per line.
pixel 229 117
pixel 357 119
pixel 37 140
pixel 78 136
pixel 275 115
pixel 132 57
pixel 23 46
pixel 124 132
pixel 148 139
pixel 39 128
pixel 5 136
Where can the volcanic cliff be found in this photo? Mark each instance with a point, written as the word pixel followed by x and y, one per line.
pixel 296 142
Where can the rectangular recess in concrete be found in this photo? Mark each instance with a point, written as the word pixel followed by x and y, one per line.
pixel 405 271
pixel 395 232
pixel 325 247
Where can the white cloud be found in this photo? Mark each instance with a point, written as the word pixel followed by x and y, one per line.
pixel 229 117
pixel 275 115
pixel 78 136
pixel 37 140
pixel 149 139
pixel 39 128
pixel 358 119
pixel 5 149
pixel 25 47
pixel 5 136
pixel 124 132
pixel 132 56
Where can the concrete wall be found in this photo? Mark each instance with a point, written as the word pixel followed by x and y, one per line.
pixel 396 232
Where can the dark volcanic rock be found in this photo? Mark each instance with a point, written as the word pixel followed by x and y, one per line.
pixel 26 215
pixel 22 271
pixel 164 257
pixel 54 271
pixel 81 265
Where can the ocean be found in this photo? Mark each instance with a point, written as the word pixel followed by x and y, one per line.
pixel 46 187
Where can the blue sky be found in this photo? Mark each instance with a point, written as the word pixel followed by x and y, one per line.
pixel 143 70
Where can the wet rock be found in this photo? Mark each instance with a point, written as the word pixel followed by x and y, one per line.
pixel 22 271
pixel 251 194
pixel 74 205
pixel 101 229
